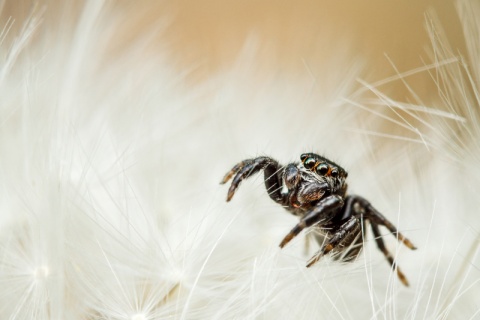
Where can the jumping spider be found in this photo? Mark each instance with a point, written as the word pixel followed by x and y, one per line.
pixel 315 191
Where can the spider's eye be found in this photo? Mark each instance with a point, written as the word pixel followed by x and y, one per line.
pixel 322 169
pixel 309 163
pixel 334 173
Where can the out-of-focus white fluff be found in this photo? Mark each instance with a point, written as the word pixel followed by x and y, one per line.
pixel 111 207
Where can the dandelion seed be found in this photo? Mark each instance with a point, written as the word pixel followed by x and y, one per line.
pixel 41 273
pixel 139 316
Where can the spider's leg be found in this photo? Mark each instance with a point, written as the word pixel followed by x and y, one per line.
pixel 321 212
pixel 352 247
pixel 273 181
pixel 347 229
pixel 377 218
pixel 362 207
pixel 233 171
pixel 386 253
pixel 246 168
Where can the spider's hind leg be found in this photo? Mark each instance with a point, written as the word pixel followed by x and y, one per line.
pixel 376 218
pixel 349 248
pixel 352 246
pixel 386 253
pixel 341 239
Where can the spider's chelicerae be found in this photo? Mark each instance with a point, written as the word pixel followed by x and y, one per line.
pixel 315 190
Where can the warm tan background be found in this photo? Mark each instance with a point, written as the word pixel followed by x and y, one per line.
pixel 215 31
pixel 289 35
pixel 292 36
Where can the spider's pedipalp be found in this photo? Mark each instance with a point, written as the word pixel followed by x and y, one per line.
pixel 246 168
pixel 233 171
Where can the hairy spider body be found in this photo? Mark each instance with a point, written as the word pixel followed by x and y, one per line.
pixel 315 190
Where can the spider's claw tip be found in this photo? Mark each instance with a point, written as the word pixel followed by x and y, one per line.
pixel 286 240
pixel 312 262
pixel 227 177
pixel 409 244
pixel 230 195
pixel 402 278
pixel 318 256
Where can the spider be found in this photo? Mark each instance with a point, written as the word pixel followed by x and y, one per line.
pixel 315 190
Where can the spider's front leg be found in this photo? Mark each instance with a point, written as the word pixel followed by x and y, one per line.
pixel 246 168
pixel 323 212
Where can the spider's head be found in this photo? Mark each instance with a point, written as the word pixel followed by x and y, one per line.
pixel 312 179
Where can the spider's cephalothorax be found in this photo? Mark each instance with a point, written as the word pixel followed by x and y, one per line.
pixel 315 190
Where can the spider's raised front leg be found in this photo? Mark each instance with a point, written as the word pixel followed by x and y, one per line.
pixel 324 211
pixel 246 168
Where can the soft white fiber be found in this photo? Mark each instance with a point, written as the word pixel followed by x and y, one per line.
pixel 111 158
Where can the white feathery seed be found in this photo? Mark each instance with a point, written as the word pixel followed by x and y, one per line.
pixel 111 158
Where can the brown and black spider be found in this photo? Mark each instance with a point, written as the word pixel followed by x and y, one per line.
pixel 315 190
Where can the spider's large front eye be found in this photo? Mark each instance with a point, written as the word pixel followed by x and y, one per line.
pixel 322 169
pixel 309 163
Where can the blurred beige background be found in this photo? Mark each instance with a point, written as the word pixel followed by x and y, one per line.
pixel 315 40
pixel 290 35
pixel 215 31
